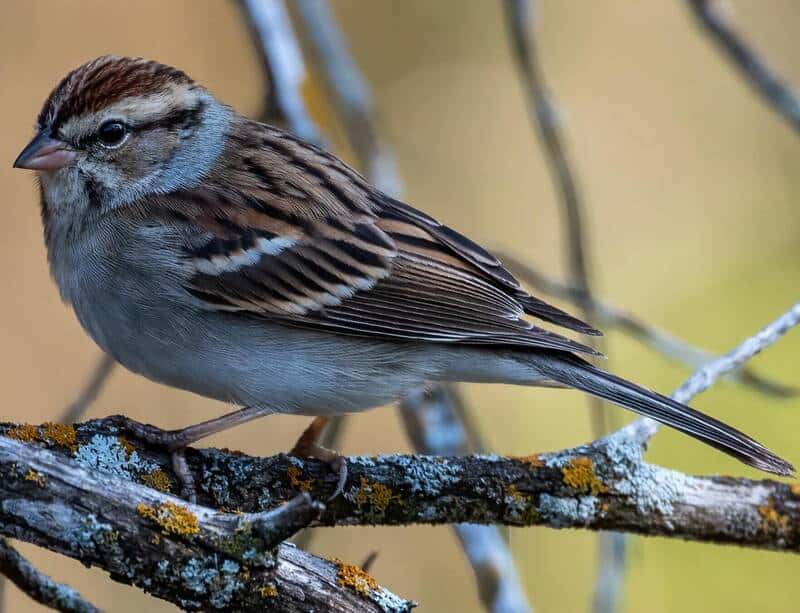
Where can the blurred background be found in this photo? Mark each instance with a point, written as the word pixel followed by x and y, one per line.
pixel 691 186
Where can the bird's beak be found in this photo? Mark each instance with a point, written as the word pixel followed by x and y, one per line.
pixel 44 153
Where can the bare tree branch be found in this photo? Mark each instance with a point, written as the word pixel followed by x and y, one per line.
pixel 96 381
pixel 643 429
pixel 435 428
pixel 498 584
pixel 772 89
pixel 544 114
pixel 283 63
pixel 83 504
pixel 604 485
pixel 610 316
pixel 351 94
pixel 39 586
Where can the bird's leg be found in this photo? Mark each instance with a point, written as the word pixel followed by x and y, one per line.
pixel 176 441
pixel 307 446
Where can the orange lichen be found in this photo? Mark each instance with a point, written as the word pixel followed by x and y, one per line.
pixel 532 460
pixel 158 480
pixel 772 521
pixel 173 518
pixel 376 494
pixel 126 445
pixel 521 508
pixel 794 488
pixel 579 474
pixel 354 577
pixel 513 493
pixel 37 478
pixel 269 591
pixel 60 434
pixel 26 433
pixel 304 485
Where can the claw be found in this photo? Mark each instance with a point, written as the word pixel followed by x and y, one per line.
pixel 307 446
pixel 172 442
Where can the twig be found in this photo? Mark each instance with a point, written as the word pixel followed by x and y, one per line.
pixel 546 119
pixel 643 429
pixel 352 95
pixel 279 524
pixel 39 586
pixel 434 428
pixel 100 374
pixel 369 561
pixel 774 91
pixel 283 60
pixel 610 316
pixel 545 116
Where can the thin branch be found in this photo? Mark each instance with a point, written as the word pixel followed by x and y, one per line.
pixel 96 381
pixel 497 580
pixel 435 428
pixel 772 89
pixel 352 95
pixel 284 64
pixel 659 340
pixel 277 525
pixel 39 586
pixel 643 429
pixel 545 116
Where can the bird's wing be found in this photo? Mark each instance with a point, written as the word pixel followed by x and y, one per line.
pixel 292 234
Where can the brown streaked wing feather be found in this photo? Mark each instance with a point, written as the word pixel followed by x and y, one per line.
pixel 473 253
pixel 294 235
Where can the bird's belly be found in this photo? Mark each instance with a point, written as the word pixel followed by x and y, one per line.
pixel 252 362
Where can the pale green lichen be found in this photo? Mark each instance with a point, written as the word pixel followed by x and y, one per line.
pixel 565 512
pixel 425 474
pixel 218 584
pixel 389 602
pixel 651 489
pixel 106 454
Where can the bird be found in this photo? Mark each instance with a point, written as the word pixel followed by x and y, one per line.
pixel 215 254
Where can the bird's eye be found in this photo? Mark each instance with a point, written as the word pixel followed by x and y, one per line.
pixel 112 133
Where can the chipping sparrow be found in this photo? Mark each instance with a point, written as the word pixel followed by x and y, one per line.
pixel 227 257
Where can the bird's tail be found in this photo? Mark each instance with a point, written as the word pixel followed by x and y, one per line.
pixel 575 372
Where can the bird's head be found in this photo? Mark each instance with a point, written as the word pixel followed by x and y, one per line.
pixel 117 129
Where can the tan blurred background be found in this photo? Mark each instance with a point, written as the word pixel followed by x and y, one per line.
pixel 692 187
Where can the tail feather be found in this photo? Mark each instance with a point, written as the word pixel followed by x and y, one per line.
pixel 575 372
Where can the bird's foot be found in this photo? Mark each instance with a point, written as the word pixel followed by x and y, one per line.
pixel 307 446
pixel 174 442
